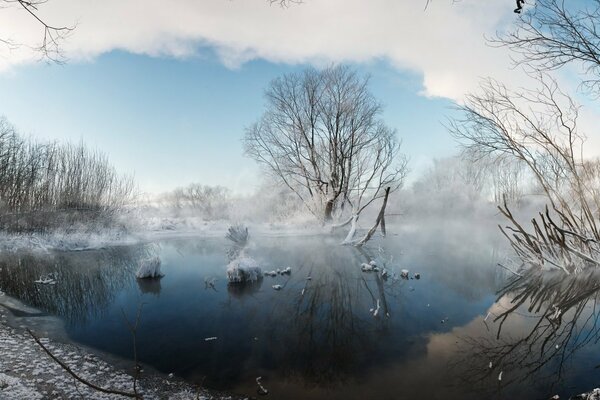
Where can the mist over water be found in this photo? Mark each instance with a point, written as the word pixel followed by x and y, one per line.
pixel 317 338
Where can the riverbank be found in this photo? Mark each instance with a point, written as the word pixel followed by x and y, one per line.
pixel 27 372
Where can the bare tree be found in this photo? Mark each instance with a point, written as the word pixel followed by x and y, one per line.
pixel 44 185
pixel 322 136
pixel 555 33
pixel 539 129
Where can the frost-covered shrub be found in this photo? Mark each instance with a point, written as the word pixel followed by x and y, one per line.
pixel 48 185
pixel 149 268
pixel 243 269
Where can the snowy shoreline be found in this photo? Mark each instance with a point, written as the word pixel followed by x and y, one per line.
pixel 27 372
pixel 81 241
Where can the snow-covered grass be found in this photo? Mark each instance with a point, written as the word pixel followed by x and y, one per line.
pixel 142 232
pixel 26 372
pixel 243 269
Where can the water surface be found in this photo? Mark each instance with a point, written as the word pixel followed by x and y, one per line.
pixel 318 338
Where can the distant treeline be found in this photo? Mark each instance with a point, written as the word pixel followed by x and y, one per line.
pixel 46 185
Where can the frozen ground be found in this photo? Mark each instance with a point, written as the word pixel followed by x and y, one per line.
pixel 144 230
pixel 26 372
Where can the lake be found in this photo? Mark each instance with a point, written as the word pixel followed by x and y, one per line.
pixel 332 331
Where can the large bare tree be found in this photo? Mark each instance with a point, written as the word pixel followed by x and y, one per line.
pixel 322 136
pixel 539 129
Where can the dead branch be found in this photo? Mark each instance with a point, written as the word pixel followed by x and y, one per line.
pixel 76 376
pixel 380 220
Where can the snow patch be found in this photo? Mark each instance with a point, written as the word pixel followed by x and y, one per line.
pixel 243 269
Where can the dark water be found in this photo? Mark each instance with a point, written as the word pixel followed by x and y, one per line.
pixel 318 338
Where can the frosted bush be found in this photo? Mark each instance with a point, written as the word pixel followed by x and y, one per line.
pixel 243 269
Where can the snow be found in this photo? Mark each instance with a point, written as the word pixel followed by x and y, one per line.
pixel 261 389
pixel 366 267
pixel 26 372
pixel 593 395
pixel 243 269
pixel 149 268
pixel 350 236
pixel 143 229
pixel 45 281
pixel 375 311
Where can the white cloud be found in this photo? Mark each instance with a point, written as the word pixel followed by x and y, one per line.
pixel 444 43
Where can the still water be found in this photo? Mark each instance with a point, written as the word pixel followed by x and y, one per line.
pixel 463 330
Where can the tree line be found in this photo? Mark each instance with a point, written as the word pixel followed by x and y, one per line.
pixel 44 185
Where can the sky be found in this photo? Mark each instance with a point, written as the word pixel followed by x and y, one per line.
pixel 166 89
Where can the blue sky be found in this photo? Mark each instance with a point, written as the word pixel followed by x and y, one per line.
pixel 175 121
pixel 167 91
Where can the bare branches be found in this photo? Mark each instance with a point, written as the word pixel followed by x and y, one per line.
pixel 52 35
pixel 550 244
pixel 41 183
pixel 212 202
pixel 322 137
pixel 285 3
pixel 133 327
pixel 556 33
pixel 539 129
pixel 380 221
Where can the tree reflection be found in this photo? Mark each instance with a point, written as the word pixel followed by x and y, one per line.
pixel 86 281
pixel 541 319
pixel 149 286
pixel 326 334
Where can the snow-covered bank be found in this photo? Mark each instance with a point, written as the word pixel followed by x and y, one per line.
pixel 149 231
pixel 26 372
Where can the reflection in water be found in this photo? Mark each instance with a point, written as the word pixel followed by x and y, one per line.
pixel 86 281
pixel 541 321
pixel 149 285
pixel 319 337
pixel 321 334
pixel 241 290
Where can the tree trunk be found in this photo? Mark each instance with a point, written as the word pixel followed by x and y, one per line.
pixel 328 210
pixel 352 231
pixel 380 218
